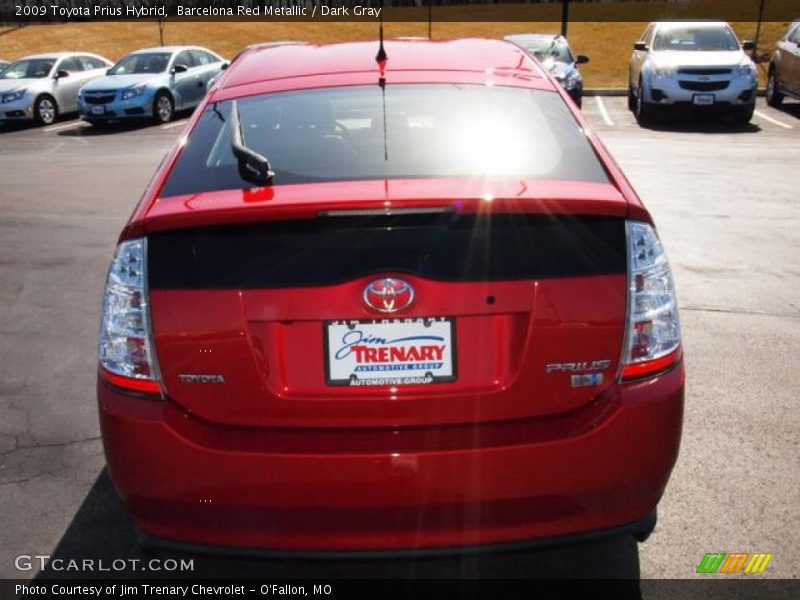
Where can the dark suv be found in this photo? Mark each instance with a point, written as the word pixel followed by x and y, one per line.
pixel 784 70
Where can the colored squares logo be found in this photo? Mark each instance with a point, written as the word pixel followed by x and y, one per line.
pixel 734 562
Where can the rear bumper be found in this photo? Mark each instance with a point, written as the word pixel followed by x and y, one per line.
pixel 639 530
pixel 194 490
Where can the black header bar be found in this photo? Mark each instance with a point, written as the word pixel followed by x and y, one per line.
pixel 49 11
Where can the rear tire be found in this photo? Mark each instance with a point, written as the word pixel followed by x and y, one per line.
pixel 163 108
pixel 774 96
pixel 45 110
pixel 631 98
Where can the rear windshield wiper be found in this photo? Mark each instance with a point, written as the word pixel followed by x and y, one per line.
pixel 253 167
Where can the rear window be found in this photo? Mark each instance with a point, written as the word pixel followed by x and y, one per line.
pixel 413 131
pixel 545 48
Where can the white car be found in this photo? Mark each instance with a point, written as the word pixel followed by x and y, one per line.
pixel 692 66
pixel 42 86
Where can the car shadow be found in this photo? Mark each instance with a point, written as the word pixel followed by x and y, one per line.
pixel 13 126
pixel 698 124
pixel 88 130
pixel 121 126
pixel 790 108
pixel 102 529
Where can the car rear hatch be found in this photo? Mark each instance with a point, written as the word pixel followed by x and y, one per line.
pixel 517 310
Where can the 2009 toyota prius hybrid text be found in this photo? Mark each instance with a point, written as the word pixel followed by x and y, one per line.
pixel 389 305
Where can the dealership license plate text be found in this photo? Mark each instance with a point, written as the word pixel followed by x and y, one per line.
pixel 390 352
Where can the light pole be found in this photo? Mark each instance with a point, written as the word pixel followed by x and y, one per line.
pixel 761 5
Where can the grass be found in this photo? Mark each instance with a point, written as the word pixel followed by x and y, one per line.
pixel 608 44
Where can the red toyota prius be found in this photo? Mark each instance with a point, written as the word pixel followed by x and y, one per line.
pixel 389 305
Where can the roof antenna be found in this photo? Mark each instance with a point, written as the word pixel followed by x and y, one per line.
pixel 381 59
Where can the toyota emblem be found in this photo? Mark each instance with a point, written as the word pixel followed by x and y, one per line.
pixel 388 295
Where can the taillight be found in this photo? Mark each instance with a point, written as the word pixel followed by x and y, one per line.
pixel 126 349
pixel 653 331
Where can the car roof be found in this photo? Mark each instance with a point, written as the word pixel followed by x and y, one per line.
pixel 170 49
pixel 264 63
pixel 676 24
pixel 55 55
pixel 59 55
pixel 533 36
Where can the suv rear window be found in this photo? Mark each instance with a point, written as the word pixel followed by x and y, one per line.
pixel 415 131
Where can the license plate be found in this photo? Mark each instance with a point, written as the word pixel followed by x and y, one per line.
pixel 390 352
pixel 704 99
pixel 98 110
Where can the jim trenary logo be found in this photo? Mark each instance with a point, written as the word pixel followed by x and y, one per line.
pixel 734 562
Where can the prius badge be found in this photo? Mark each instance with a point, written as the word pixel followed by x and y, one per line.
pixel 582 374
pixel 388 295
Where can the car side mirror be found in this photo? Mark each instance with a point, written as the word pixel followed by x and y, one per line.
pixel 108 71
pixel 179 69
pixel 61 74
pixel 581 59
pixel 748 45
pixel 225 65
pixel 640 47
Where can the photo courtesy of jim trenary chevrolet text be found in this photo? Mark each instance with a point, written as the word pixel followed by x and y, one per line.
pixel 399 299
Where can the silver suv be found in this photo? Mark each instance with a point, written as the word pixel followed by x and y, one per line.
pixel 693 66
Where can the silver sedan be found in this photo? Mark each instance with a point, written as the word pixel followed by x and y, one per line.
pixel 42 86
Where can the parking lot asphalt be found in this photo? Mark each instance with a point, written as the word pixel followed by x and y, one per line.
pixel 725 200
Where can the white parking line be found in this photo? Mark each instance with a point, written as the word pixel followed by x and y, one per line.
pixel 69 125
pixel 761 115
pixel 175 124
pixel 603 112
